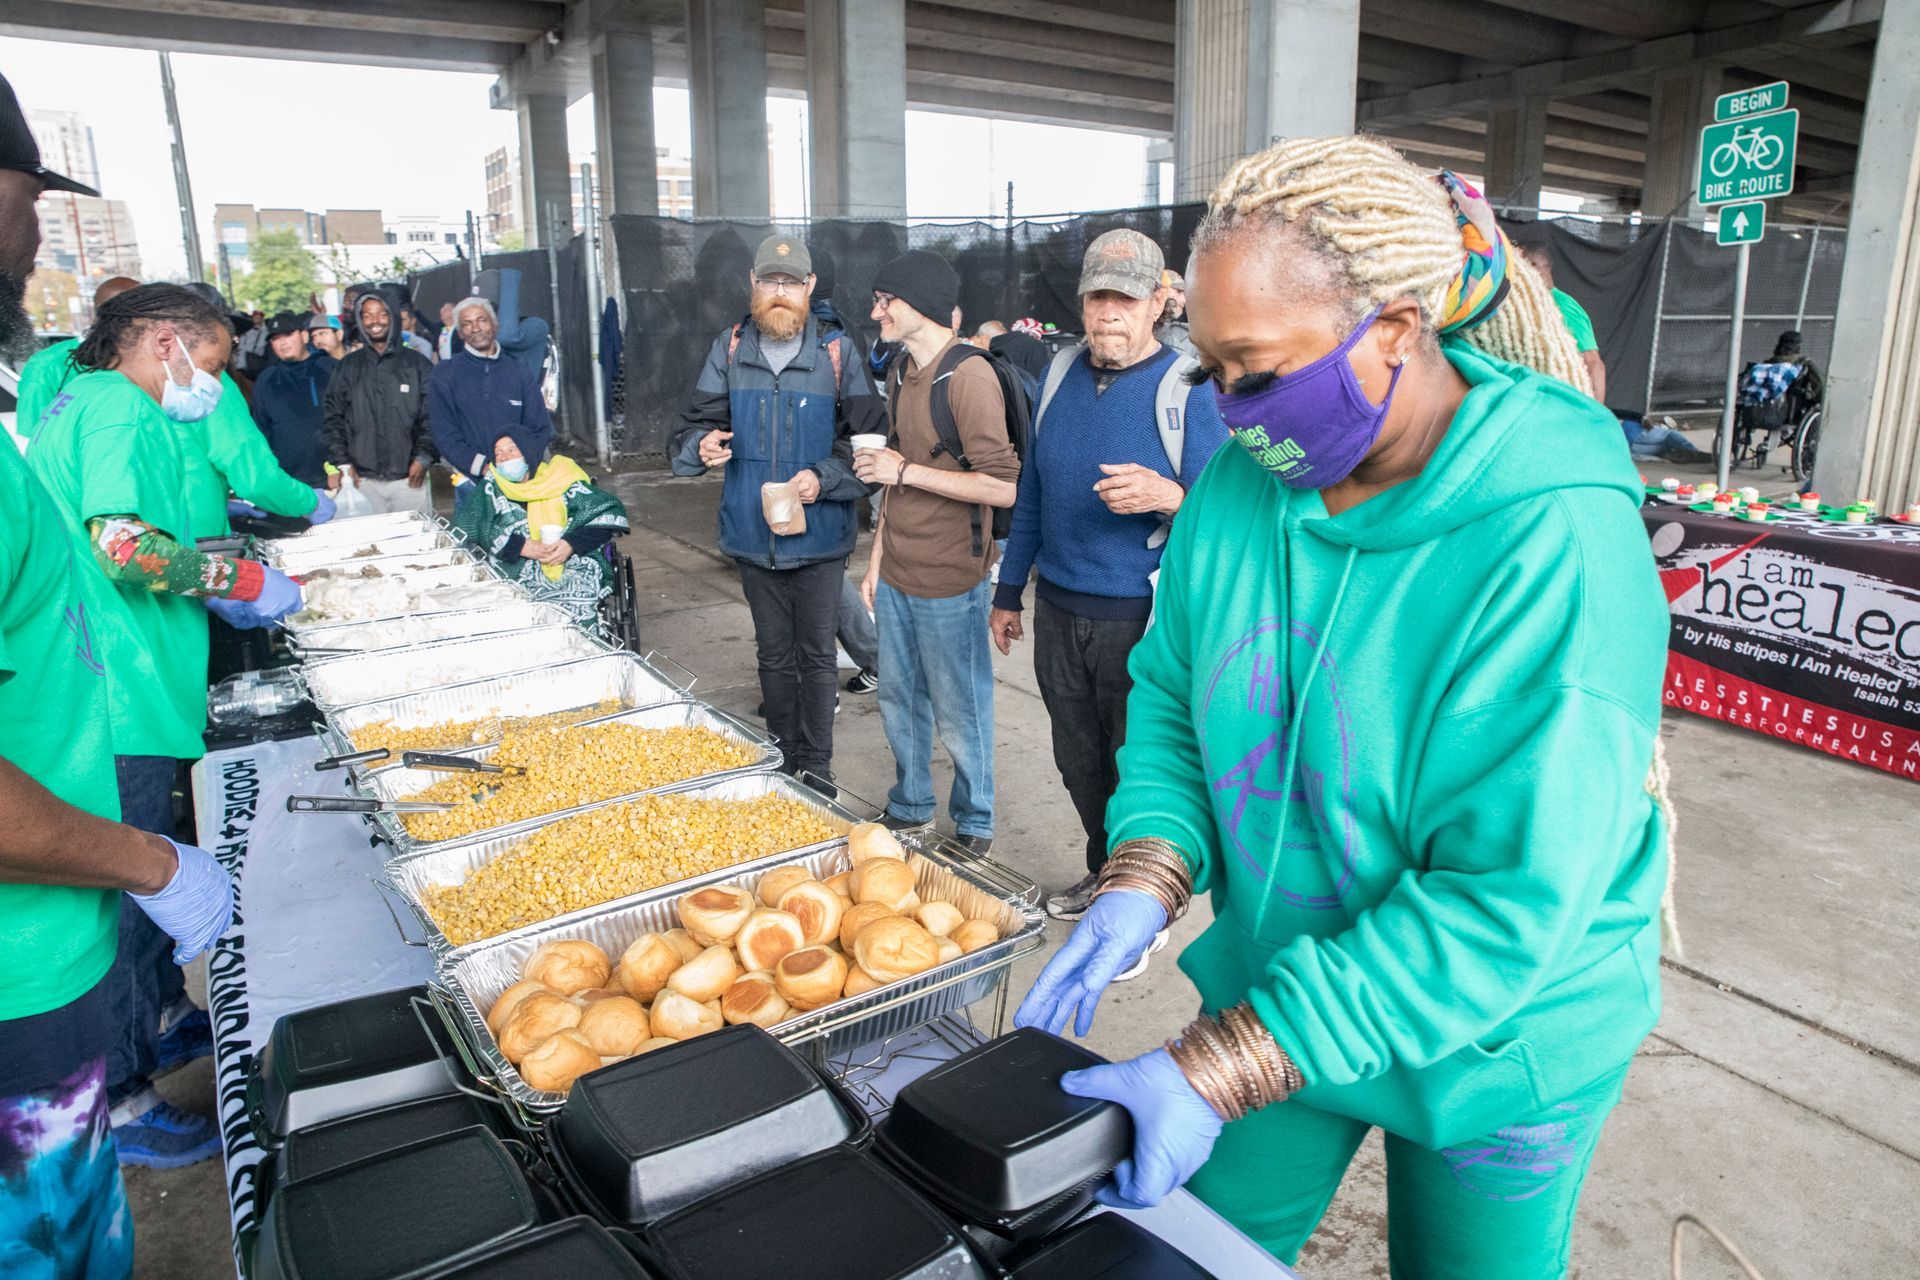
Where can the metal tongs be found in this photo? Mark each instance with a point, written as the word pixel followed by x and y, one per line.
pixel 456 764
pixel 356 804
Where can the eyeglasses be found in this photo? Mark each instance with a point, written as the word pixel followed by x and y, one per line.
pixel 779 284
pixel 882 301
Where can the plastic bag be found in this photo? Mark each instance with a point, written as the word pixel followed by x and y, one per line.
pixel 780 504
pixel 349 502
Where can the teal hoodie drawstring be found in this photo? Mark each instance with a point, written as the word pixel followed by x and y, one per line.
pixel 1299 714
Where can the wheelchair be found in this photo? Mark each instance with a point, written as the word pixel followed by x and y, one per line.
pixel 1788 422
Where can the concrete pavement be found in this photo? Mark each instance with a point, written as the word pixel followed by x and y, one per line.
pixel 1779 1098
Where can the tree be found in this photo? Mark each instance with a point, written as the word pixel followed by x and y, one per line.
pixel 513 241
pixel 49 296
pixel 283 273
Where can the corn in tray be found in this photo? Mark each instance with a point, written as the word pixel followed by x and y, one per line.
pixel 453 734
pixel 615 852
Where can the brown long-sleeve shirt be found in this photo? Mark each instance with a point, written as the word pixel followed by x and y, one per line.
pixel 927 549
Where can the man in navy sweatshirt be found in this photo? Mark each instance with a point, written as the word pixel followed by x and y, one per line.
pixel 476 397
pixel 1099 488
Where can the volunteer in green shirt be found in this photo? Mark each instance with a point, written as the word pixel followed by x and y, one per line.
pixel 1579 324
pixel 226 452
pixel 108 452
pixel 1396 713
pixel 50 368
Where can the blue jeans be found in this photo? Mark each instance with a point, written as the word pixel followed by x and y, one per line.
pixel 1649 441
pixel 936 677
pixel 144 982
pixel 856 628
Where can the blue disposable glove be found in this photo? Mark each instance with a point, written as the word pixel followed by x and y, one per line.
pixel 1174 1128
pixel 196 906
pixel 1110 937
pixel 241 507
pixel 279 596
pixel 235 613
pixel 322 508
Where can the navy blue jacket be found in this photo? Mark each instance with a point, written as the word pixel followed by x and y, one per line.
pixel 782 424
pixel 289 407
pixel 474 401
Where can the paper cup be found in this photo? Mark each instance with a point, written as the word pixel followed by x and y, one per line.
pixel 869 440
pixel 552 533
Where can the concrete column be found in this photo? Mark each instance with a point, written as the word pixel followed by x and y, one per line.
pixel 1870 438
pixel 857 107
pixel 1248 72
pixel 727 47
pixel 1517 152
pixel 545 165
pixel 624 147
pixel 1682 106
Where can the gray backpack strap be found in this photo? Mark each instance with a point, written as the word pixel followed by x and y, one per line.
pixel 1170 416
pixel 1056 374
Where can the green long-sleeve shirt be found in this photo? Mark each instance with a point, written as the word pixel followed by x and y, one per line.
pixel 225 451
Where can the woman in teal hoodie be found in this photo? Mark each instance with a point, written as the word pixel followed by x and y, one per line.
pixel 1396 713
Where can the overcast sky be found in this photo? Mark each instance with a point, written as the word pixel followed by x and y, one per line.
pixel 317 135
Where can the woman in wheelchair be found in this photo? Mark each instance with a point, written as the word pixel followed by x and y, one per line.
pixel 546 525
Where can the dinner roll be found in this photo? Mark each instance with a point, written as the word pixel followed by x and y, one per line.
pixel 657 1042
pixel 778 881
pixel 768 936
pixel 715 914
pixel 975 934
pixel 895 948
pixel 647 964
pixel 683 944
pixel 859 917
pixel 568 966
pixel 509 1001
pixel 939 918
pixel 871 840
pixel 949 949
pixel 754 998
pixel 615 1026
pixel 593 994
pixel 811 977
pixel 706 976
pixel 817 908
pixel 679 1017
pixel 886 880
pixel 841 884
pixel 539 1016
pixel 859 982
pixel 556 1062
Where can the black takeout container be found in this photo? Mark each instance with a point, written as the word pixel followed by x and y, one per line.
pixel 399 1214
pixel 322 1147
pixel 840 1215
pixel 338 1059
pixel 1107 1246
pixel 573 1249
pixel 642 1138
pixel 991 1137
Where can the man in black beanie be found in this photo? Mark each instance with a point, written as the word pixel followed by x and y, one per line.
pixel 927 580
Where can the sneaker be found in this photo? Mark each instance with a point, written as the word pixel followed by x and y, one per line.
pixel 162 1136
pixel 978 846
pixel 893 822
pixel 836 704
pixel 863 681
pixel 1072 902
pixel 1139 966
pixel 185 1041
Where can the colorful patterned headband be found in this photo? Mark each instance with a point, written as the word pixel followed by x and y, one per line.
pixel 1481 286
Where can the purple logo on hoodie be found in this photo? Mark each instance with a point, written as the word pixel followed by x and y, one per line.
pixel 1521 1160
pixel 1243 742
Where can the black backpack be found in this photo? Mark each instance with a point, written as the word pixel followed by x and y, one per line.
pixel 1014 393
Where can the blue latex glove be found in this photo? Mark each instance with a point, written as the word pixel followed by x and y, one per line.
pixel 241 507
pixel 235 613
pixel 196 906
pixel 279 596
pixel 1110 937
pixel 323 507
pixel 1174 1128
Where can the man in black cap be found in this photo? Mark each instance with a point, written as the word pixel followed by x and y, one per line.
pixel 926 580
pixel 289 399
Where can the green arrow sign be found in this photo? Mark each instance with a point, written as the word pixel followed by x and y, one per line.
pixel 1742 223
pixel 1751 102
pixel 1748 159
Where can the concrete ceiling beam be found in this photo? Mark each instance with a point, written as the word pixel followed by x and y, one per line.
pixel 1145 19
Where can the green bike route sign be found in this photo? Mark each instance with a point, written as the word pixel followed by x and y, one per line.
pixel 1751 102
pixel 1748 158
pixel 1741 223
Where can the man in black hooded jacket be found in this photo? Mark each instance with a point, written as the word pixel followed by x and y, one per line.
pixel 376 412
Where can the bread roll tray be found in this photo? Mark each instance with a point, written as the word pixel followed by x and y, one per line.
pixel 454 624
pixel 410 875
pixel 618 677
pixel 468 980
pixel 420 546
pixel 363 677
pixel 397 782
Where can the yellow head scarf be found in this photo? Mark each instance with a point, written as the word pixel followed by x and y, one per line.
pixel 544 494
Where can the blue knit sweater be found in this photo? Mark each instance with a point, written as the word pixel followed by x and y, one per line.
pixel 1092 562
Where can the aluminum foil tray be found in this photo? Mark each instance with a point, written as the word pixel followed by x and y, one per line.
pixel 399 565
pixel 469 980
pixel 411 875
pixel 613 677
pixel 397 782
pixel 362 677
pixel 425 628
pixel 500 590
pixel 340 531
pixel 408 545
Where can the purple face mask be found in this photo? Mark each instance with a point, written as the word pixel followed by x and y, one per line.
pixel 1313 426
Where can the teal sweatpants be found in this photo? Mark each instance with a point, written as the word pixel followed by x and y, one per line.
pixel 1499 1207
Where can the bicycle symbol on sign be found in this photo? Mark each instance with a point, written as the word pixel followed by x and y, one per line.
pixel 1755 146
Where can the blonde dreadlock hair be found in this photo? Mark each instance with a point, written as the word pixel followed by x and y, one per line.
pixel 1388 230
